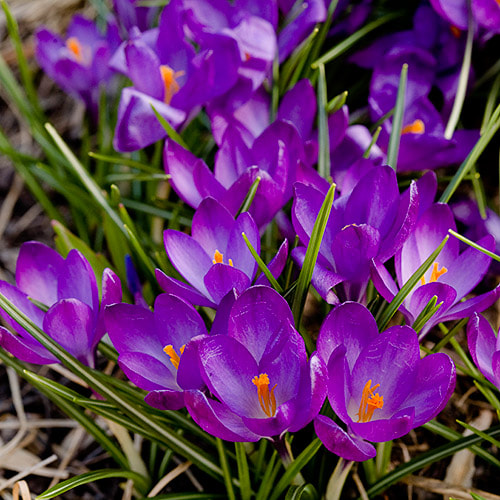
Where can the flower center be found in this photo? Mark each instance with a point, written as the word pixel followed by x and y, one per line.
pixel 267 399
pixel 417 127
pixel 370 401
pixel 169 80
pixel 218 259
pixel 435 273
pixel 75 48
pixel 174 357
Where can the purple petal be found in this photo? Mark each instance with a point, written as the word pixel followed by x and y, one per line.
pixel 419 299
pixel 222 278
pixel 276 265
pixel 25 348
pixel 37 271
pixel 272 426
pixel 482 341
pixel 342 444
pixel 238 250
pixel 232 158
pixel 165 399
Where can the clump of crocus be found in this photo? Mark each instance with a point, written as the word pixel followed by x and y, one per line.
pixel 377 383
pixel 154 347
pixel 215 258
pixel 61 297
pixel 257 372
pixel 484 347
pixel 450 278
pixel 79 64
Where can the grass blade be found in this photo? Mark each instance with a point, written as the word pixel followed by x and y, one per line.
pixel 324 139
pixel 171 132
pixel 243 472
pixel 397 121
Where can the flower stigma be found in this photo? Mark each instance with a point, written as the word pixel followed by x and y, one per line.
pixel 218 259
pixel 75 48
pixel 169 81
pixel 267 399
pixel 174 357
pixel 417 127
pixel 435 273
pixel 370 401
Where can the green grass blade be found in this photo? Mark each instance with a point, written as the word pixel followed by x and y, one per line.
pixel 391 309
pixel 426 314
pixel 337 102
pixel 121 160
pixel 171 132
pixel 310 260
pixel 474 245
pixel 397 121
pixel 324 139
pixel 247 202
pixel 243 472
pixel 374 140
pixel 140 482
pixel 262 265
pixel 480 433
pixel 295 467
pixel 226 470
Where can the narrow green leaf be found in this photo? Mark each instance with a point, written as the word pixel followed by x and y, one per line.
pixel 426 314
pixel 324 139
pixel 464 75
pixel 450 335
pixel 262 265
pixel 302 492
pixel 397 121
pixel 391 309
pixel 480 433
pixel 171 132
pixel 140 482
pixel 374 140
pixel 188 496
pixel 474 245
pixel 121 160
pixel 269 477
pixel 275 89
pixel 490 102
pixel 310 260
pixel 425 459
pixel 225 470
pixel 337 102
pixel 243 472
pixel 353 39
pixel 247 202
pixel 490 130
pixel 157 212
pixel 295 467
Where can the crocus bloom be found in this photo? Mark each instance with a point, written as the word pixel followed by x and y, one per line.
pixel 258 373
pixel 154 347
pixel 130 14
pixel 484 347
pixel 78 64
pixel 373 220
pixel 377 383
pixel 450 278
pixel 215 258
pixel 61 297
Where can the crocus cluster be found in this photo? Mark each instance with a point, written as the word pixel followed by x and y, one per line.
pixel 220 341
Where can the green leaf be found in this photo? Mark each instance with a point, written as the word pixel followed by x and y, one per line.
pixel 243 472
pixel 303 492
pixel 397 121
pixel 140 482
pixel 172 134
pixel 474 245
pixel 408 287
pixel 324 140
pixel 478 432
pixel 121 160
pixel 228 480
pixel 337 102
pixel 247 202
pixel 426 314
pixel 310 260
pixel 295 467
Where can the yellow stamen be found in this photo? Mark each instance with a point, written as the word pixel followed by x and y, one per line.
pixel 75 47
pixel 370 401
pixel 435 273
pixel 267 399
pixel 417 127
pixel 174 357
pixel 218 259
pixel 169 80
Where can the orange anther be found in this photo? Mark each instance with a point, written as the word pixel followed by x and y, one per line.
pixel 169 81
pixel 75 47
pixel 435 273
pixel 174 357
pixel 417 127
pixel 370 401
pixel 267 399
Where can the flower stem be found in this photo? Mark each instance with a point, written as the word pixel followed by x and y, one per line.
pixel 285 454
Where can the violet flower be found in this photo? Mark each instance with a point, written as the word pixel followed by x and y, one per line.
pixel 79 64
pixel 155 350
pixel 450 278
pixel 131 15
pixel 377 383
pixel 484 346
pixel 258 373
pixel 373 220
pixel 61 297
pixel 215 259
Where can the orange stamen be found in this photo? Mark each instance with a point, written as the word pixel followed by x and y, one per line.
pixel 174 357
pixel 218 259
pixel 435 273
pixel 75 47
pixel 456 31
pixel 169 80
pixel 267 399
pixel 370 401
pixel 417 127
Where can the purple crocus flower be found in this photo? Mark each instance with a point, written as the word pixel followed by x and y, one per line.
pixel 170 75
pixel 79 64
pixel 377 383
pixel 450 278
pixel 130 14
pixel 258 373
pixel 215 258
pixel 373 220
pixel 61 297
pixel 156 352
pixel 484 347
